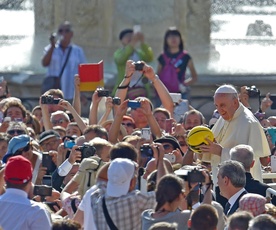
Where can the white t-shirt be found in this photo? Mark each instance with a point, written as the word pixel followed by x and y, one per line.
pixel 85 206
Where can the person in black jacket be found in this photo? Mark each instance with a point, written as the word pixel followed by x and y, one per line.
pixel 245 155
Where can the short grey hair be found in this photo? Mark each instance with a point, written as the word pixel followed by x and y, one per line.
pixel 243 154
pixel 234 170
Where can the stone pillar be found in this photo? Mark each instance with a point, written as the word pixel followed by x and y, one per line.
pixel 97 23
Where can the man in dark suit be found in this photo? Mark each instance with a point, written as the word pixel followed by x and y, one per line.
pixel 231 181
pixel 245 155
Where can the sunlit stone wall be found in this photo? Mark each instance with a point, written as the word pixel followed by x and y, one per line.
pixel 97 24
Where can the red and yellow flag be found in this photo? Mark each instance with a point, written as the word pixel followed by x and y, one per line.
pixel 91 76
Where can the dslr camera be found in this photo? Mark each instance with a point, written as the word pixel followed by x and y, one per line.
pixel 146 151
pixel 49 99
pixel 252 91
pixel 116 101
pixel 102 92
pixel 192 174
pixel 86 151
pixel 139 66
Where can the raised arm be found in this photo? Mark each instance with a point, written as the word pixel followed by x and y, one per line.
pixel 93 115
pixel 66 105
pixel 108 109
pixel 76 99
pixel 45 115
pixel 115 126
pixel 46 59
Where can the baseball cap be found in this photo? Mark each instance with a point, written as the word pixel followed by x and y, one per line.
pixel 18 170
pixel 169 139
pixel 253 203
pixel 119 174
pixel 124 32
pixel 15 144
pixel 48 134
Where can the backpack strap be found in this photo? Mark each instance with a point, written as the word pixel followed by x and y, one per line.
pixel 168 60
pixel 109 221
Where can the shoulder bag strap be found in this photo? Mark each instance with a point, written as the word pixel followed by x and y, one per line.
pixel 181 55
pixel 107 217
pixel 63 67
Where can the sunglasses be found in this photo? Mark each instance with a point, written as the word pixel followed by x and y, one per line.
pixel 17 131
pixel 58 122
pixel 60 31
pixel 128 124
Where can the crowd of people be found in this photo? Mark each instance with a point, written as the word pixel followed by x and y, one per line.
pixel 60 170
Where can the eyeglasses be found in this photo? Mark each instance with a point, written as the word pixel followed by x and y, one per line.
pixel 50 143
pixel 60 31
pixel 58 122
pixel 167 146
pixel 128 124
pixel 17 131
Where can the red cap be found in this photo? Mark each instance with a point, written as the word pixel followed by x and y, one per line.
pixel 128 118
pixel 18 170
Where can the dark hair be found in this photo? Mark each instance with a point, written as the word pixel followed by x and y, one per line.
pixel 172 31
pixel 17 104
pixel 151 181
pixel 124 32
pixel 205 216
pixel 262 222
pixel 17 186
pixel 98 130
pixel 54 92
pixel 66 225
pixel 33 121
pixel 168 189
pixel 123 150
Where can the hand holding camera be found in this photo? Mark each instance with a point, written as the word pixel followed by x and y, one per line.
pixel 75 155
pixel 49 100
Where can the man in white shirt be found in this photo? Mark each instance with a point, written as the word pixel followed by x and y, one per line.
pixel 231 181
pixel 17 211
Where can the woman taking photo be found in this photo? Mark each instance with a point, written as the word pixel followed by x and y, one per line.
pixel 172 64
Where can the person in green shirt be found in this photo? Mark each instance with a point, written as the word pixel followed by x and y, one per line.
pixel 130 51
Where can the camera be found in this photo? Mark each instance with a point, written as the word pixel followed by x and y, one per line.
pixel 139 66
pixel 102 92
pixel 116 101
pixel 43 190
pixel 192 174
pixel 146 151
pixel 252 91
pixel 134 104
pixel 86 151
pixel 49 99
pixel 69 144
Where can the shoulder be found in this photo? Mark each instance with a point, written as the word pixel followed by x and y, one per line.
pixel 147 213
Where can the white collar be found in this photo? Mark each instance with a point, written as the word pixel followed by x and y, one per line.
pixel 233 198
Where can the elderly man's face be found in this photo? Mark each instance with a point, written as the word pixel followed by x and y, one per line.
pixel 226 105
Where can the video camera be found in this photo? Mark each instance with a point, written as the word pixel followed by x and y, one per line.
pixel 192 174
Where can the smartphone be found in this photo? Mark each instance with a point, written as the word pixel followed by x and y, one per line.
pixel 48 163
pixel 146 133
pixel 47 180
pixel 69 144
pixel 180 109
pixel 273 163
pixel 168 125
pixel 176 97
pixel 273 98
pixel 136 29
pixel 170 157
